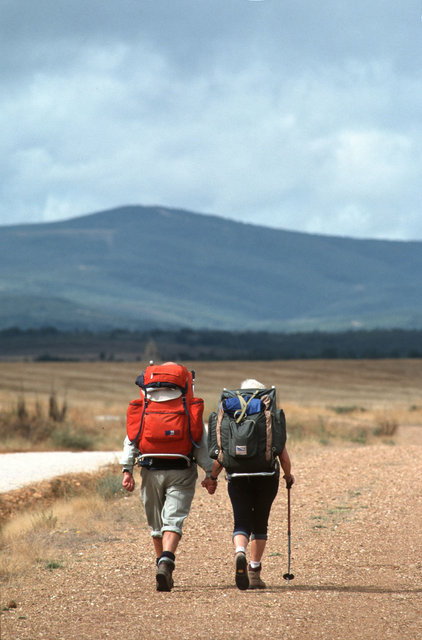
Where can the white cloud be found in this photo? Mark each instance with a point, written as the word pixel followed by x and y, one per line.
pixel 295 116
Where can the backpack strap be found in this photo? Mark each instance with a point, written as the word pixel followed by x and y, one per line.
pixel 240 413
pixel 268 422
pixel 218 433
pixel 188 415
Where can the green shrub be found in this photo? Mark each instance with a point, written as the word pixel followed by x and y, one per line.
pixel 32 425
pixel 21 410
pixel 68 438
pixel 110 486
pixel 43 521
pixel 296 431
pixel 387 426
pixel 56 413
pixel 360 437
pixel 346 409
pixel 53 565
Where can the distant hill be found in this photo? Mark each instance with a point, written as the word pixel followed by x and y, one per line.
pixel 146 267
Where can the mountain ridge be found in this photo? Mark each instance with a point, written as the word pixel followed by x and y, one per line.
pixel 143 267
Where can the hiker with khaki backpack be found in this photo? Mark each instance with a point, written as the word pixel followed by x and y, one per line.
pixel 165 434
pixel 247 438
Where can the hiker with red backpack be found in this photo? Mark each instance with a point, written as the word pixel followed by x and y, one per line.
pixel 165 433
pixel 247 438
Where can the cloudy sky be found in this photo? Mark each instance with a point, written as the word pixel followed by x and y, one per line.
pixel 296 114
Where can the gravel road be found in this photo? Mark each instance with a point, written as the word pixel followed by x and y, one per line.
pixel 20 469
pixel 356 557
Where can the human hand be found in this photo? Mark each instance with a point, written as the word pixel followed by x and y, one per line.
pixel 289 481
pixel 128 481
pixel 209 484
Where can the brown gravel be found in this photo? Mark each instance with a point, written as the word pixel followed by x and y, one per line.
pixel 356 556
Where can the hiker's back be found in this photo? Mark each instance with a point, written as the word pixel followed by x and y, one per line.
pixel 167 418
pixel 248 431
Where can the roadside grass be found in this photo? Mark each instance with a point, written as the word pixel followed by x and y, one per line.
pixel 82 405
pixel 350 425
pixel 33 426
pixel 344 508
pixel 49 535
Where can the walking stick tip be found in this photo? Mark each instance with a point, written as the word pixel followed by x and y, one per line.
pixel 288 576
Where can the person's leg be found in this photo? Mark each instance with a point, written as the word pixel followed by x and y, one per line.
pixel 257 549
pixel 264 492
pixel 240 542
pixel 179 492
pixel 242 515
pixel 254 566
pixel 152 494
pixel 166 561
pixel 170 541
pixel 158 546
pixel 240 498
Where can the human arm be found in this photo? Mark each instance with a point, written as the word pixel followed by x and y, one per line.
pixel 286 466
pixel 210 482
pixel 204 461
pixel 130 452
pixel 201 454
pixel 217 468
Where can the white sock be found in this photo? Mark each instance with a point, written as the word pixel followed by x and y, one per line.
pixel 255 565
pixel 240 549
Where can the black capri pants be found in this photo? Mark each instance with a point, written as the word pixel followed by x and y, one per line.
pixel 252 498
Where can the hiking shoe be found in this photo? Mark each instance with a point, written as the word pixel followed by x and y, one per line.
pixel 255 581
pixel 163 576
pixel 242 580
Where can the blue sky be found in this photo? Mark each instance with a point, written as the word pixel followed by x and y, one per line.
pixel 287 113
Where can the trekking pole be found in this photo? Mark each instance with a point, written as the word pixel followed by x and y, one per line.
pixel 288 576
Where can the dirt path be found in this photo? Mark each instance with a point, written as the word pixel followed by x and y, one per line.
pixel 356 556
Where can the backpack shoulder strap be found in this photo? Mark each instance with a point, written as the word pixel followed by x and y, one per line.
pixel 220 416
pixel 186 410
pixel 240 413
pixel 268 426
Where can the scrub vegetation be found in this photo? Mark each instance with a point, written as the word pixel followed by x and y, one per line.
pixel 82 405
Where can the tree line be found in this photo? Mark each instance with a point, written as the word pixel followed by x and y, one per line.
pixel 49 343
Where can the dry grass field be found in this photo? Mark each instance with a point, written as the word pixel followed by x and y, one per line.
pixel 109 385
pixel 321 398
pixel 80 566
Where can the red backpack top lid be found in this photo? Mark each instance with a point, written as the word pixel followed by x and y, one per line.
pixel 168 374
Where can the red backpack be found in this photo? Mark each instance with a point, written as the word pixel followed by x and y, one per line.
pixel 169 427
